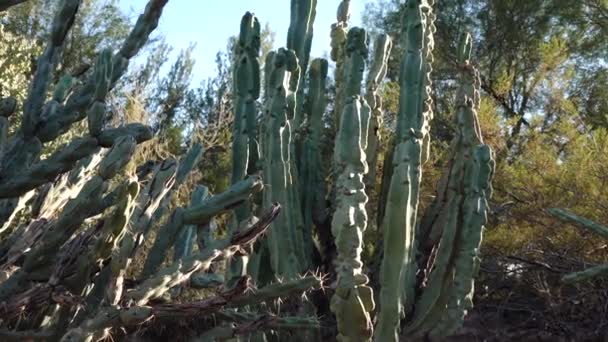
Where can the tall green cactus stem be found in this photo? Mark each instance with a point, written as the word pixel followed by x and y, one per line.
pixel 285 240
pixel 397 272
pixel 339 32
pixel 312 177
pixel 353 301
pixel 377 72
pixel 299 40
pixel 246 88
pixel 455 221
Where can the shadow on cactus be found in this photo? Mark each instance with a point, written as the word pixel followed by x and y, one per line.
pixel 66 270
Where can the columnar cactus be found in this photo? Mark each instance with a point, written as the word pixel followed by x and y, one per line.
pixel 299 40
pixel 451 229
pixel 285 239
pixel 397 273
pixel 312 177
pixel 353 301
pixel 246 88
pixel 339 32
pixel 377 72
pixel 74 251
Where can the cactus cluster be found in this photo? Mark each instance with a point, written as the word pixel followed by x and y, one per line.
pixel 427 264
pixel 67 268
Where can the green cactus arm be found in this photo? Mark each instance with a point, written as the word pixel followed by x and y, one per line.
pixel 88 203
pixel 179 272
pixel 165 238
pixel 97 111
pixel 202 213
pixel 589 273
pixel 375 76
pixel 353 300
pixel 276 290
pixel 186 238
pixel 32 108
pixel 339 32
pixel 45 171
pixel 114 227
pixel 246 91
pixel 80 100
pixel 582 222
pixel 204 233
pixel 186 164
pixel 312 176
pixel 299 40
pixel 4 125
pixel 152 195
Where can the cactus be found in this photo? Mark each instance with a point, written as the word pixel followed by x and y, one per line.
pixel 353 301
pixel 299 40
pixel 377 72
pixel 339 32
pixel 67 268
pixel 246 88
pixel 596 228
pixel 284 240
pixel 312 182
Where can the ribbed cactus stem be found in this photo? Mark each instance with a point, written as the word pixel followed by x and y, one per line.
pixel 375 76
pixel 353 300
pixel 452 227
pixel 398 268
pixel 102 73
pixel 299 40
pixel 197 213
pixel 339 32
pixel 285 240
pixel 246 88
pixel 32 108
pixel 312 175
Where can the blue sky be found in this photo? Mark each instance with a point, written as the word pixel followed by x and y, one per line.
pixel 210 23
